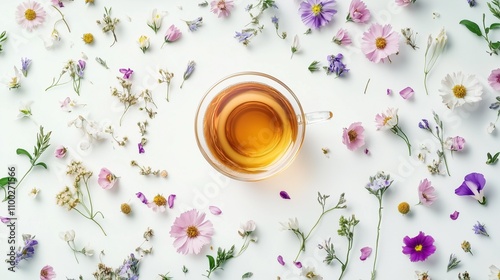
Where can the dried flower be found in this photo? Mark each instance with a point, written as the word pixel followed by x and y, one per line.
pixel 88 38
pixel 480 229
pixel 404 3
pixel 275 22
pixel 15 81
pixel 452 262
pixel 466 247
pixel 109 24
pixel 166 77
pixel 25 110
pixel 75 70
pixel 494 79
pixel 24 253
pixel 125 208
pixel 188 72
pixel 409 37
pixel 194 24
pixel 158 204
pixel 25 64
pixel 404 208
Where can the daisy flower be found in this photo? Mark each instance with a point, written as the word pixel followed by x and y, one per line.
pixel 494 273
pixel 379 42
pixel 419 248
pixel 459 89
pixel 191 232
pixel 353 136
pixel 30 15
pixel 222 8
pixel 317 13
pixel 426 194
pixel 158 204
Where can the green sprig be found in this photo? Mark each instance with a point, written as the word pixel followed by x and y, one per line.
pixel 222 257
pixel 474 28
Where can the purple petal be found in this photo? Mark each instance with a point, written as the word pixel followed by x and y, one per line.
pixel 170 200
pixel 476 178
pixel 142 197
pixel 389 91
pixel 284 195
pixel 406 93
pixel 4 220
pixel 463 190
pixel 280 260
pixel 298 264
pixel 454 215
pixel 141 148
pixel 365 253
pixel 215 210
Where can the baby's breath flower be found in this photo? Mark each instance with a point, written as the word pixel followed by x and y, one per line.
pixel 109 24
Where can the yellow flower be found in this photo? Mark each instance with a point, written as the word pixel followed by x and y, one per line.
pixel 404 208
pixel 125 208
pixel 88 38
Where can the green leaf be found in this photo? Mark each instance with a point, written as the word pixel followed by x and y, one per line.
pixel 4 181
pixel 472 26
pixel 247 275
pixel 495 45
pixel 211 262
pixel 24 152
pixel 42 164
pixel 495 25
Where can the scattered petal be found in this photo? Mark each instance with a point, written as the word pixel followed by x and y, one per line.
pixel 170 200
pixel 454 215
pixel 284 195
pixel 280 260
pixel 142 197
pixel 365 253
pixel 298 264
pixel 406 93
pixel 215 210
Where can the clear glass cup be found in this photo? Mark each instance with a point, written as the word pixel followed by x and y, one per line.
pixel 250 126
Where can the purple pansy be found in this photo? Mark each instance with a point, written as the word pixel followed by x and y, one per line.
pixel 473 185
pixel 419 248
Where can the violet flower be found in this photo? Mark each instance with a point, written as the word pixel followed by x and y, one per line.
pixel 365 253
pixel 454 144
pixel 336 66
pixel 194 24
pixel 188 72
pixel 419 248
pixel 479 229
pixel 141 148
pixel 317 13
pixel 126 72
pixel 244 36
pixel 25 64
pixel 473 185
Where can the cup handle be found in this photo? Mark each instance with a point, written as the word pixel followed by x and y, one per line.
pixel 319 116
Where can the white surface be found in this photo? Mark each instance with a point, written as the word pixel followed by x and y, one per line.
pixel 171 143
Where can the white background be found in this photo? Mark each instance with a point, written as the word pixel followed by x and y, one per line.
pixel 172 146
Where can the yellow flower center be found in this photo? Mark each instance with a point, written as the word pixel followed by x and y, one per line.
pixel 88 38
pixel 352 135
pixel 160 200
pixel 418 248
pixel 404 208
pixel 30 14
pixel 380 43
pixel 110 177
pixel 310 275
pixel 192 232
pixel 387 119
pixel 316 9
pixel 459 91
pixel 498 275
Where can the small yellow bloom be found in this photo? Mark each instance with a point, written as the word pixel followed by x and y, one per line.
pixel 125 208
pixel 88 38
pixel 404 208
pixel 89 1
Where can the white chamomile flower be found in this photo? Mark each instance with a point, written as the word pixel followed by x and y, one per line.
pixel 459 89
pixel 25 110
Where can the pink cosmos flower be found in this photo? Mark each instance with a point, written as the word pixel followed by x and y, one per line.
pixel 358 12
pixel 221 7
pixel 173 34
pixel 47 273
pixel 106 179
pixel 342 38
pixel 365 253
pixel 60 151
pixel 30 15
pixel 353 136
pixel 379 42
pixel 406 93
pixel 404 3
pixel 454 144
pixel 494 79
pixel 191 232
pixel 426 193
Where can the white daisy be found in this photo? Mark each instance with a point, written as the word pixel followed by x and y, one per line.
pixel 310 273
pixel 494 273
pixel 459 89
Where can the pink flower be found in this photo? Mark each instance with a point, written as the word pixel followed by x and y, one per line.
pixel 454 144
pixel 106 179
pixel 387 120
pixel 404 3
pixel 353 136
pixel 365 253
pixel 358 12
pixel 60 151
pixel 47 273
pixel 406 93
pixel 215 210
pixel 191 232
pixel 379 42
pixel 426 193
pixel 221 7
pixel 173 34
pixel 494 79
pixel 30 15
pixel 342 38
pixel 126 72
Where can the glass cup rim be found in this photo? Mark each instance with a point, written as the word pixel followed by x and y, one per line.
pixel 287 158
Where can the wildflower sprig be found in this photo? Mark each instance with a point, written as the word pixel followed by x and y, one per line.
pixel 434 49
pixel 78 198
pixel 492 159
pixel 147 97
pixel 495 106
pixel 109 24
pixel 255 11
pixel 3 38
pixel 147 235
pixel 409 37
pixel 24 253
pixel 222 257
pixel 42 143
pixel 377 186
pixel 346 229
pixel 189 70
pixel 69 237
pixel 63 19
pixel 301 235
pixel 439 135
pixel 276 24
pixel 147 170
pixel 102 62
pixel 485 32
pixel 75 71
pixel 453 262
pixel 166 77
pixel 126 97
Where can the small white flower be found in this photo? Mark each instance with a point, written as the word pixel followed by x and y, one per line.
pixel 459 89
pixel 491 128
pixel 247 228
pixel 422 275
pixel 15 81
pixel 54 38
pixel 143 43
pixel 293 224
pixel 68 104
pixel 494 273
pixel 68 235
pixel 25 110
pixel 87 251
pixel 156 19
pixel 310 273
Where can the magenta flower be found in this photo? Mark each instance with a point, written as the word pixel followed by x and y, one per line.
pixel 317 13
pixel 222 8
pixel 406 93
pixel 404 3
pixel 454 144
pixel 284 195
pixel 298 264
pixel 379 42
pixel 191 232
pixel 215 210
pixel 426 193
pixel 5 220
pixel 173 34
pixel 106 179
pixel 365 253
pixel 170 201
pixel 47 273
pixel 126 72
pixel 60 151
pixel 353 136
pixel 141 148
pixel 494 79
pixel 342 38
pixel 358 12
pixel 473 185
pixel 454 215
pixel 280 260
pixel 419 248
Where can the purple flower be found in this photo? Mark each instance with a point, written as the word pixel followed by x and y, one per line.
pixel 188 72
pixel 424 124
pixel 243 37
pixel 317 13
pixel 80 67
pixel 280 260
pixel 142 197
pixel 336 66
pixel 473 185
pixel 4 220
pixel 215 210
pixel 389 91
pixel 472 3
pixel 454 144
pixel 170 200
pixel 365 253
pixel 454 215
pixel 194 24
pixel 298 264
pixel 141 148
pixel 419 248
pixel 126 72
pixel 284 195
pixel 25 64
pixel 479 229
pixel 406 93
pixel 27 251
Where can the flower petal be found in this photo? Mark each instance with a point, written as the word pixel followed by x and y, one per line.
pixel 365 253
pixel 215 210
pixel 284 195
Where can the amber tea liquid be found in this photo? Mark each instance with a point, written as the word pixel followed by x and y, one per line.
pixel 249 126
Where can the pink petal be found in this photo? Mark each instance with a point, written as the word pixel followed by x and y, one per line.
pixel 389 91
pixel 365 253
pixel 170 200
pixel 298 264
pixel 284 195
pixel 406 93
pixel 280 260
pixel 215 210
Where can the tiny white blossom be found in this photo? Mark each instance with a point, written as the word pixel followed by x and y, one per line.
pixel 68 235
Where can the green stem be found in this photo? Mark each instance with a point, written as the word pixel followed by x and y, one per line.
pixel 56 83
pixel 425 82
pixel 378 237
pixel 349 247
pixel 24 176
pixel 62 18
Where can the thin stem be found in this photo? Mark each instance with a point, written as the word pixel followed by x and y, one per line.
pixel 56 83
pixel 62 18
pixel 24 176
pixel 378 236
pixel 425 82
pixel 126 109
